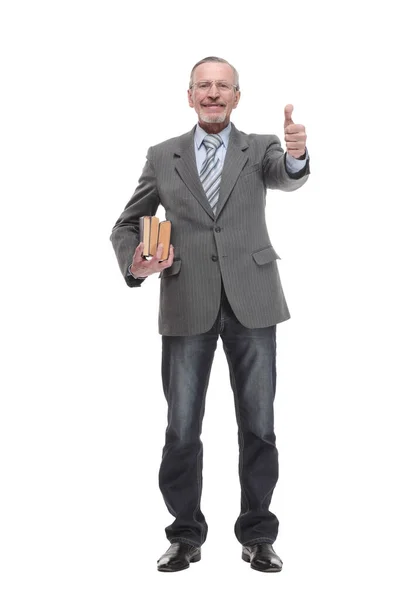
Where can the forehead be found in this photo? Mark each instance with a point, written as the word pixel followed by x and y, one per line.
pixel 213 70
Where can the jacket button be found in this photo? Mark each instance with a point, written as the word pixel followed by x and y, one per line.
pixel 214 258
pixel 217 229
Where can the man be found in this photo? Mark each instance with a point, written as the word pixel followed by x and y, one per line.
pixel 220 279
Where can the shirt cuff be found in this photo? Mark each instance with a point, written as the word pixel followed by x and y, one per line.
pixel 294 165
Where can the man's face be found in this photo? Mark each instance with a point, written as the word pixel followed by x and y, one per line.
pixel 213 105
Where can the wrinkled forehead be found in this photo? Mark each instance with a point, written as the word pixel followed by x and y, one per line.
pixel 213 71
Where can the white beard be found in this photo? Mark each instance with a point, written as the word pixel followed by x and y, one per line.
pixel 207 118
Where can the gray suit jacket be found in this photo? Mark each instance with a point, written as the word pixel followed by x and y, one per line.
pixel 233 244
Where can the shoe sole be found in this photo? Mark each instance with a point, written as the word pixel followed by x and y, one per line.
pixel 165 569
pixel 246 558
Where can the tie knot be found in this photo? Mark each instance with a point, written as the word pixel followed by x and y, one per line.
pixel 212 140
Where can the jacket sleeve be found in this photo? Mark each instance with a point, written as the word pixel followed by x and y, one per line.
pixel 275 174
pixel 125 234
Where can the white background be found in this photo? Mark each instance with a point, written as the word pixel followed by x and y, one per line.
pixel 87 87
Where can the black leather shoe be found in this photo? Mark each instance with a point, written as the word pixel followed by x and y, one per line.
pixel 178 556
pixel 262 558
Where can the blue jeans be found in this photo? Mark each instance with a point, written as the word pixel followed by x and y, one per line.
pixel 186 367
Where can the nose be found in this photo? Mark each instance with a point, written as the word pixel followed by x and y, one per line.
pixel 213 92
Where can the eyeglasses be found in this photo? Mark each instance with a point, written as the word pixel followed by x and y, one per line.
pixel 222 86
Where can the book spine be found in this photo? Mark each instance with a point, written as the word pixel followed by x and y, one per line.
pixel 141 229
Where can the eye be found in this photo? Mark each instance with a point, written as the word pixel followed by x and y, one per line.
pixel 203 85
pixel 224 86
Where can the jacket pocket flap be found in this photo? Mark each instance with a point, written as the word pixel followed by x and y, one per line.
pixel 266 255
pixel 172 270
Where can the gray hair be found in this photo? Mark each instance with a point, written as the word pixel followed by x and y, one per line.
pixel 217 60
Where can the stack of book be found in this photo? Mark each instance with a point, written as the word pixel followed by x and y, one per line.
pixel 152 233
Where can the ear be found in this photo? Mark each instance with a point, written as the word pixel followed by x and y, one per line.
pixel 190 98
pixel 237 98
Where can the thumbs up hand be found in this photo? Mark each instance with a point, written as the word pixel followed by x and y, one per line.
pixel 295 135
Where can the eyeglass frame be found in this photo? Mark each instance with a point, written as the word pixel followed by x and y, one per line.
pixel 233 86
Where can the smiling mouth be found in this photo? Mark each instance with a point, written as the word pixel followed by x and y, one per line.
pixel 213 106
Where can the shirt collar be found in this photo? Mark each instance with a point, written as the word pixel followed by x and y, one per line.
pixel 200 134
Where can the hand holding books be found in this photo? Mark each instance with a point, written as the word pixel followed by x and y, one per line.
pixel 141 267
pixel 155 242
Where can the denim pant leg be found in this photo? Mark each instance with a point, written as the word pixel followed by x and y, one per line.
pixel 186 366
pixel 251 356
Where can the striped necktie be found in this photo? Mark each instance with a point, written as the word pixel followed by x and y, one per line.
pixel 211 169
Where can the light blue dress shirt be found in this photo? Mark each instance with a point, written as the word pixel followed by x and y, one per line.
pixel 293 164
pixel 201 151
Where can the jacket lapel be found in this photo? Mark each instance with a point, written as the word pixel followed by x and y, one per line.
pixel 185 164
pixel 235 160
